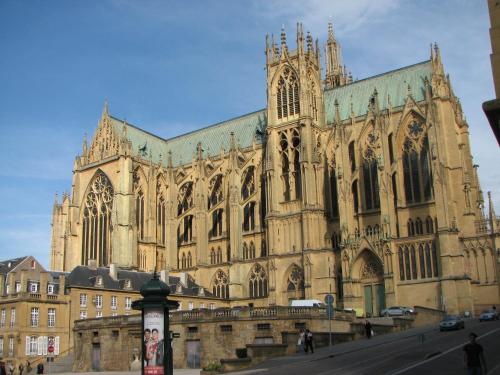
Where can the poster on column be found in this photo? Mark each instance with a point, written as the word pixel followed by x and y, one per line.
pixel 153 349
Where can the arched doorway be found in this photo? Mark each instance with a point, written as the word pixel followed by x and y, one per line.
pixel 370 273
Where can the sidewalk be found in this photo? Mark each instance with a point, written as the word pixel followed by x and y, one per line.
pixel 176 372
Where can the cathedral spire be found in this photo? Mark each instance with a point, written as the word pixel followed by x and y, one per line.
pixel 84 145
pixel 492 214
pixel 335 72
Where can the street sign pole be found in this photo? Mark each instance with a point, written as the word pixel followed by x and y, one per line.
pixel 329 313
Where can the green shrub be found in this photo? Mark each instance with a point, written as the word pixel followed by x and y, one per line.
pixel 214 366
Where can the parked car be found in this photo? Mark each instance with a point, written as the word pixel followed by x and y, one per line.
pixel 488 315
pixel 307 303
pixel 451 322
pixel 397 311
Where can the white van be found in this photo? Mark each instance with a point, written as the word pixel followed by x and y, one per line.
pixel 307 303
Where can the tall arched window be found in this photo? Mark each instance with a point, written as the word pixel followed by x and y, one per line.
pixel 220 285
pixel 285 166
pixel 401 264
pixel 263 248
pixel 215 189
pixel 297 175
pixel 352 156
pixel 212 256
pixel 370 179
pixel 216 223
pixel 354 191
pixel 139 214
pixel 429 225
pixel 333 192
pixel 419 229
pixel 189 260
pixel 160 220
pixel 422 261
pixel 185 198
pixel 185 230
pixel 257 283
pixel 219 255
pixel 249 217
pixel 411 228
pixel 295 283
pixel 251 250
pixel 183 262
pixel 248 183
pixel 287 95
pixel 96 229
pixel 245 250
pixel 413 262
pixel 416 164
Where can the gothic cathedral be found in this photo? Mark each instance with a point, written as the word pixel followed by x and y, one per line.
pixel 364 189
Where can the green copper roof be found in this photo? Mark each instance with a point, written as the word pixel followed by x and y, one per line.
pixel 253 125
pixel 394 83
pixel 213 138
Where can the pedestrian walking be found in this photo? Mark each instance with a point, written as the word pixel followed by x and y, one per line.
pixel 39 368
pixel 473 357
pixel 368 329
pixel 300 341
pixel 28 367
pixel 11 368
pixel 3 370
pixel 21 369
pixel 308 338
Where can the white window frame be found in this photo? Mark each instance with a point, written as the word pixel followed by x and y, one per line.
pixel 33 345
pixel 50 289
pixel 114 313
pixel 7 289
pixel 83 314
pixel 2 318
pixel 51 317
pixel 12 316
pixel 35 317
pixel 114 301
pixel 190 305
pixel 83 300
pixel 98 301
pixel 128 303
pixel 33 288
pixel 1 346
pixel 18 287
pixel 98 314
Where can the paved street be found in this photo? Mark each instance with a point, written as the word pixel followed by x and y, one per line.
pixel 394 354
pixel 176 372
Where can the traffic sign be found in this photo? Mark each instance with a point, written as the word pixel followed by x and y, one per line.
pixel 50 349
pixel 328 299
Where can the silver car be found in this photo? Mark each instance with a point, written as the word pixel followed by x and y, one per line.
pixel 397 311
pixel 488 315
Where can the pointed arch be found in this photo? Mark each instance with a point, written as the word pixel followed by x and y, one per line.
pixel 96 220
pixel 220 284
pixel 257 282
pixel 294 281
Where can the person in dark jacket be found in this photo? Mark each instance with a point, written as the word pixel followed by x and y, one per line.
pixel 473 357
pixel 39 368
pixel 368 329
pixel 308 339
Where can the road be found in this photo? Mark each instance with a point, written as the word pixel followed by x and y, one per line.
pixel 394 354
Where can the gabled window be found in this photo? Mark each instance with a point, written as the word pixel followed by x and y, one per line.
pixel 287 95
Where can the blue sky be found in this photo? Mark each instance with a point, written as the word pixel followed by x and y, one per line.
pixel 174 66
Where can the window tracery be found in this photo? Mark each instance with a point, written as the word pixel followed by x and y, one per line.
pixel 287 95
pixel 416 164
pixel 161 219
pixel 216 193
pixel 139 214
pixel 96 229
pixel 220 285
pixel 257 284
pixel 249 217
pixel 370 173
pixel 248 183
pixel 185 198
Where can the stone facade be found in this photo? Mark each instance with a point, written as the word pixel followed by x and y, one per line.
pixel 34 311
pixel 365 189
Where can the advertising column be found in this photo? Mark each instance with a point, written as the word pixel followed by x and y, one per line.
pixel 154 343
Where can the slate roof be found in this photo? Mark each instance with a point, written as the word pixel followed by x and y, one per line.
pixel 252 126
pixel 4 264
pixel 85 277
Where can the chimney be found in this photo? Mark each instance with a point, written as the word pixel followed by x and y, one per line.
pixel 92 264
pixel 43 282
pixel 164 276
pixel 11 281
pixel 24 281
pixel 62 284
pixel 113 271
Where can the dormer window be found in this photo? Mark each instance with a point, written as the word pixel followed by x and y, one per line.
pixel 98 281
pixel 178 289
pixel 128 284
pixel 50 289
pixel 33 287
pixel 33 264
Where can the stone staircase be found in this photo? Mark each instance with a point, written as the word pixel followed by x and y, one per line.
pixel 61 364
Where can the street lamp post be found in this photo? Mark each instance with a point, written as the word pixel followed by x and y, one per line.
pixel 156 342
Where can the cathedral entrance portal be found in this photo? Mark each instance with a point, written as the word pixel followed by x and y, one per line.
pixel 370 274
